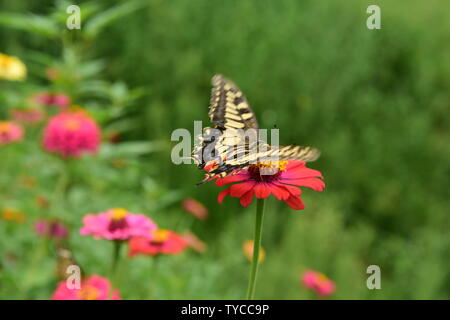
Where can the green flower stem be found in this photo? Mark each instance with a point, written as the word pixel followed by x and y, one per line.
pixel 256 247
pixel 115 256
pixel 154 271
pixel 114 265
pixel 58 200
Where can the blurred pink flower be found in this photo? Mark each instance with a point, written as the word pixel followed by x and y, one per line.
pixel 51 229
pixel 92 288
pixel 28 116
pixel 71 133
pixel 52 99
pixel 195 243
pixel 318 282
pixel 10 132
pixel 195 208
pixel 117 224
pixel 162 242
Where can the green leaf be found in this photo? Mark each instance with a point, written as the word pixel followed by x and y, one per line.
pixel 129 149
pixel 98 22
pixel 30 23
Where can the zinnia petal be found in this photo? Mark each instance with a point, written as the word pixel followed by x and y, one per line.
pixel 247 198
pixel 296 169
pixel 223 194
pixel 295 203
pixel 239 189
pixel 279 192
pixel 313 183
pixel 293 190
pixel 262 190
pixel 232 178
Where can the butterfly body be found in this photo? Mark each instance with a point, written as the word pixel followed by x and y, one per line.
pixel 233 143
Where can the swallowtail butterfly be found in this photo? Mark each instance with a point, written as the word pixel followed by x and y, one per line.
pixel 233 144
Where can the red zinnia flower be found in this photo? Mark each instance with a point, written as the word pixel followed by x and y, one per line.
pixel 282 184
pixel 163 242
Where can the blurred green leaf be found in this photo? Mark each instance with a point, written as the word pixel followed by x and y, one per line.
pixel 130 149
pixel 98 22
pixel 31 23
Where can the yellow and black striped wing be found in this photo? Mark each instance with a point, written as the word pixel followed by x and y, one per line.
pixel 294 152
pixel 229 109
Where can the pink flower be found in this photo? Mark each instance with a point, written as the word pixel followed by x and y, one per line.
pixel 195 208
pixel 318 282
pixel 71 134
pixel 162 242
pixel 117 224
pixel 28 116
pixel 195 243
pixel 61 100
pixel 52 99
pixel 283 184
pixel 92 288
pixel 10 132
pixel 51 229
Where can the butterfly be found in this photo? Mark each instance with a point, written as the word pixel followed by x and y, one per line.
pixel 233 143
pixel 65 259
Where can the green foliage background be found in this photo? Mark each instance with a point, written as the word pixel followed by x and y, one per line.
pixel 375 102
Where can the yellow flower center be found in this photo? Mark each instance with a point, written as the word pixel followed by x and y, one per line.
pixel 11 68
pixel 72 124
pixel 267 171
pixel 4 127
pixel 9 214
pixel 118 213
pixel 321 278
pixel 160 235
pixel 89 293
pixel 279 165
pixel 6 61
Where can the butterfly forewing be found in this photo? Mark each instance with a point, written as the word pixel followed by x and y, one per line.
pixel 229 109
pixel 294 152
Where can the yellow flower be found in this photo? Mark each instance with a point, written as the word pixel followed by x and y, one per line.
pixel 247 248
pixel 9 214
pixel 11 68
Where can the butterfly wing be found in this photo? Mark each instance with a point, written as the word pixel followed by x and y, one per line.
pixel 294 152
pixel 65 259
pixel 229 109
